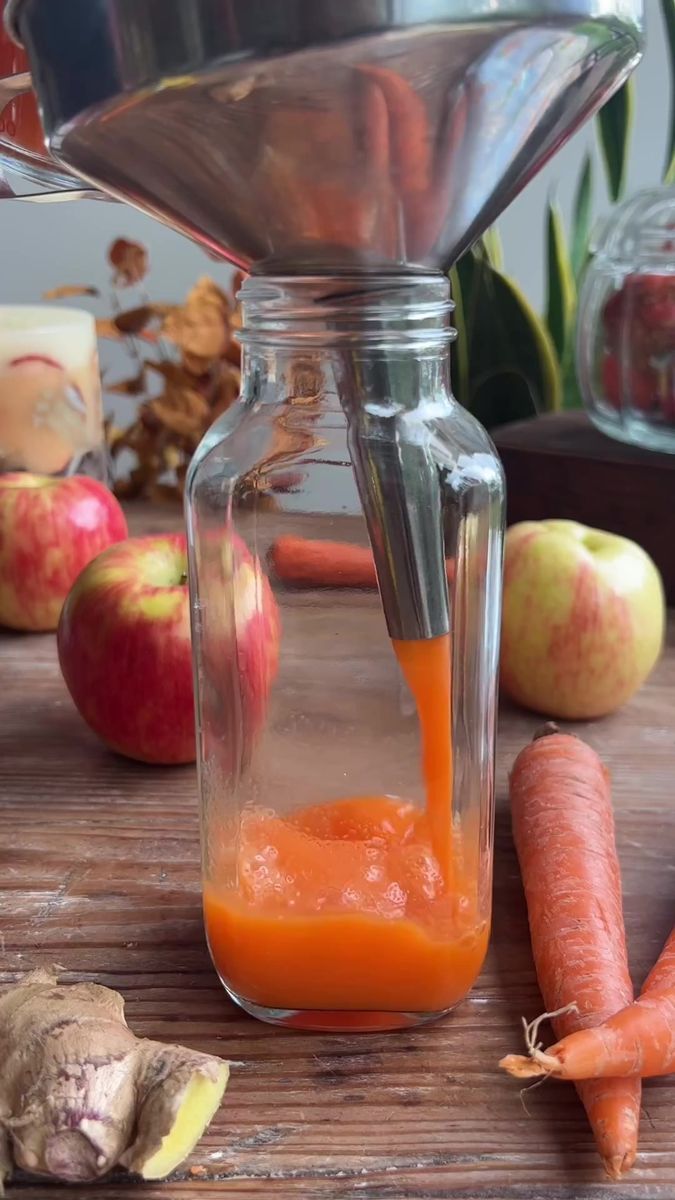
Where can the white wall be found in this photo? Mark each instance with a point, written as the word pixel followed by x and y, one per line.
pixel 66 243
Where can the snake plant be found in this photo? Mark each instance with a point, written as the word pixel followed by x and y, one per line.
pixel 525 364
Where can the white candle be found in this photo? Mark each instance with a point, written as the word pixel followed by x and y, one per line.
pixel 51 419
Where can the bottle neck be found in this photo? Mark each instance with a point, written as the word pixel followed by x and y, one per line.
pixel 382 341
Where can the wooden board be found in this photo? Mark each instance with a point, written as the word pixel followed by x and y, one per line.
pixel 99 872
pixel 560 465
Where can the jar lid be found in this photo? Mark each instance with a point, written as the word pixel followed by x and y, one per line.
pixel 640 232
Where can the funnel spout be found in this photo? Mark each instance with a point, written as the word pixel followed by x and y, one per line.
pixel 400 491
pixel 393 382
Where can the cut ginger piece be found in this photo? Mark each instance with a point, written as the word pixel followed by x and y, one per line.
pixel 82 1094
pixel 196 1109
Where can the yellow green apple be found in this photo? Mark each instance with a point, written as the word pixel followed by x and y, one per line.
pixel 583 619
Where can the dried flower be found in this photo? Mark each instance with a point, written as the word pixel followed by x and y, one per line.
pixel 69 290
pixel 189 349
pixel 129 261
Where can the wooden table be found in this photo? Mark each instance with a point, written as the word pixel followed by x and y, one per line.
pixel 99 872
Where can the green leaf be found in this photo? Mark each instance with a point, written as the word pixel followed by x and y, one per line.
pixel 615 122
pixel 561 301
pixel 461 348
pixel 502 397
pixel 572 397
pixel 668 8
pixel 471 271
pixel 513 367
pixel 562 291
pixel 491 244
pixel 581 219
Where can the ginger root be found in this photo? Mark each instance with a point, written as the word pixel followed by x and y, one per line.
pixel 80 1094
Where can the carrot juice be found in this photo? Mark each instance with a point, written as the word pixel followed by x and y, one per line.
pixel 363 905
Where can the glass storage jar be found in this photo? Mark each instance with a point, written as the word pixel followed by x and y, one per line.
pixel 346 765
pixel 626 323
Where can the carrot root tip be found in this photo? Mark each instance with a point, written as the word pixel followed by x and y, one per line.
pixel 521 1066
pixel 617 1166
pixel 536 1062
pixel 531 1030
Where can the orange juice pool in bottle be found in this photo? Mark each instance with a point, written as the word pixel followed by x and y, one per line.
pixel 362 905
pixel 354 918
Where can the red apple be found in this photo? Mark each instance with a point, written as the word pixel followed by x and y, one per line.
pixel 125 653
pixel 642 314
pixel 50 528
pixel 239 644
pixel 642 390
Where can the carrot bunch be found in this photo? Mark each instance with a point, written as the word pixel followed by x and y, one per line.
pixel 563 827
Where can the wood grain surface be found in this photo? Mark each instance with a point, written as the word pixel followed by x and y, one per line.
pixel 99 873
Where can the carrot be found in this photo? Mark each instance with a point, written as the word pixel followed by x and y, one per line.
pixel 409 146
pixel 375 126
pixel 409 134
pixel 306 563
pixel 563 827
pixel 638 1040
pixel 376 152
pixel 428 214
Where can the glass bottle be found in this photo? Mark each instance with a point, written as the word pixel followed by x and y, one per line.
pixel 626 323
pixel 346 769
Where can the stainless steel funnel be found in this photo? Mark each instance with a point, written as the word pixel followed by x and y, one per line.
pixel 328 136
pixel 316 133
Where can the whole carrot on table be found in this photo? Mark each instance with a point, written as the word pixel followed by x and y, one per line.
pixel 638 1040
pixel 563 828
pixel 316 563
pixel 303 562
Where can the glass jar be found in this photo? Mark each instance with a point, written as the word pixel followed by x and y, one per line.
pixel 346 741
pixel 626 323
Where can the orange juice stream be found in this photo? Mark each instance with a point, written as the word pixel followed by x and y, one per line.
pixel 426 669
pixel 364 904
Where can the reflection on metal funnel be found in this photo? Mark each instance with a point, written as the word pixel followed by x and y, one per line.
pixel 314 135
